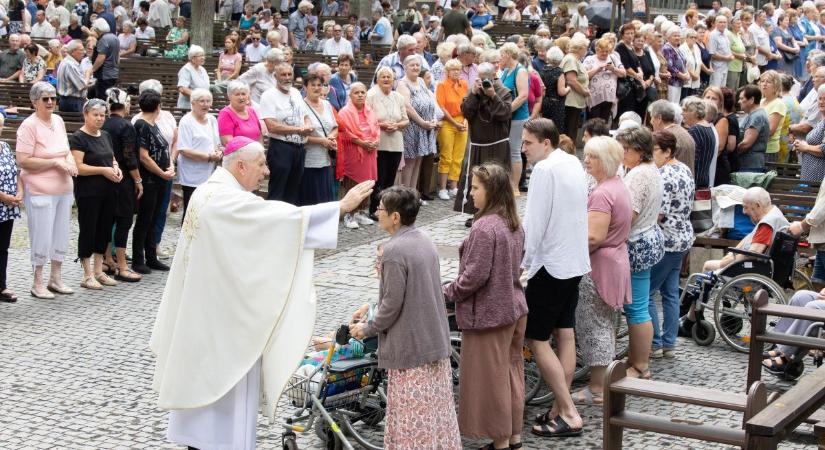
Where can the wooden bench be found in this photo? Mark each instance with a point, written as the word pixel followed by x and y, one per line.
pixel 766 421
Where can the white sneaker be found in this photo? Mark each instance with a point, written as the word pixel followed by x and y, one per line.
pixel 443 194
pixel 424 203
pixel 362 219
pixel 453 192
pixel 350 222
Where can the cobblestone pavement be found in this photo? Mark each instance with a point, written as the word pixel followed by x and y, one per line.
pixel 75 372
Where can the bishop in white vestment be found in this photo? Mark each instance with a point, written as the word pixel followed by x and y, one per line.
pixel 238 309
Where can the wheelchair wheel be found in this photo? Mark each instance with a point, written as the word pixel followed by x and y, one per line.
pixel 366 423
pixel 325 433
pixel 801 281
pixel 532 376
pixel 732 307
pixel 543 394
pixel 703 333
pixel 288 441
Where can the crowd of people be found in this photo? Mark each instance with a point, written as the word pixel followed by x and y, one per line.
pixel 655 108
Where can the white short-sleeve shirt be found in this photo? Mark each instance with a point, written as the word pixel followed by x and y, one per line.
pixel 289 109
pixel 195 136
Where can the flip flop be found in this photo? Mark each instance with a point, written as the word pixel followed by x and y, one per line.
pixel 586 397
pixel 561 429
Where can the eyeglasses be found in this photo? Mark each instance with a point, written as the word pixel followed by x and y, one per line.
pixel 48 99
pixel 256 39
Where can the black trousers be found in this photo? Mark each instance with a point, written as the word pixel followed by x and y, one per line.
pixel 603 110
pixel 187 194
pixel 143 236
pixel 387 163
pixel 122 226
pixel 425 175
pixel 99 89
pixel 572 120
pixel 286 165
pixel 5 241
pixel 95 216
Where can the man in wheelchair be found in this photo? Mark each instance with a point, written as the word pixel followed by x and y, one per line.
pixel 768 219
pixel 785 361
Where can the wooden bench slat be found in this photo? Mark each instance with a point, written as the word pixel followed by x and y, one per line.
pixel 787 339
pixel 804 397
pixel 794 312
pixel 681 394
pixel 647 422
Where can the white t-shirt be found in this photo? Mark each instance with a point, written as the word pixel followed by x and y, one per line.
pixel 529 15
pixel 288 109
pixel 149 33
pixel 255 54
pixel 189 78
pixel 332 48
pixel 762 40
pixel 195 136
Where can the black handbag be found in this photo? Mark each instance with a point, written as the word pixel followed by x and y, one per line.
pixel 629 87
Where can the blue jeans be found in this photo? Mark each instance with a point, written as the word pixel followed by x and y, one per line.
pixel 546 7
pixel 819 268
pixel 160 223
pixel 637 312
pixel 664 277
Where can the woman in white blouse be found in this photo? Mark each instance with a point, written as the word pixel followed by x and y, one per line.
pixel 317 180
pixel 693 62
pixel 198 145
pixel 192 76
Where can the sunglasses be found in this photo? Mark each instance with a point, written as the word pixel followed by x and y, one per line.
pixel 48 99
pixel 256 39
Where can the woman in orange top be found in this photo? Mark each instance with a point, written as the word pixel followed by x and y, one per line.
pixel 452 137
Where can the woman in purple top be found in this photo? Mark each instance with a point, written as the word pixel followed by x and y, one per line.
pixel 492 314
pixel 238 118
pixel 675 65
pixel 607 288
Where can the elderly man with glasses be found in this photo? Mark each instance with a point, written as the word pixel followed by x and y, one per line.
pixel 337 45
pixel 71 82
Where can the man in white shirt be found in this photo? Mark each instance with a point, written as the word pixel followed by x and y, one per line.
pixel 720 52
pixel 261 76
pixel 143 30
pixel 288 125
pixel 556 257
pixel 42 28
pixel 809 106
pixel 762 40
pixel 256 50
pixel 56 9
pixel 337 44
pixel 159 14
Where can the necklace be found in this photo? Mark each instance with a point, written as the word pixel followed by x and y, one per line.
pixel 49 124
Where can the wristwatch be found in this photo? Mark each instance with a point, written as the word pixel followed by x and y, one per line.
pixel 139 181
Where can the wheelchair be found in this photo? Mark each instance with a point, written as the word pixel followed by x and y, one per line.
pixel 730 291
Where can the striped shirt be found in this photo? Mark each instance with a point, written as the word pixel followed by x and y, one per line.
pixel 70 79
pixel 706 146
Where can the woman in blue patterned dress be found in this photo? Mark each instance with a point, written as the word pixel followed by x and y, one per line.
pixel 11 196
pixel 674 219
pixel 810 151
pixel 419 135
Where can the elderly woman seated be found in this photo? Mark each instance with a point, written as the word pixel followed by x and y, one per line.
pixel 768 219
pixel 785 361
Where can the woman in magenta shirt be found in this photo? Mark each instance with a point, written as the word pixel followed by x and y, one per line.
pixel 238 118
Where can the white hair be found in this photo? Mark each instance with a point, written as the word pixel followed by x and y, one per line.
pixel 274 55
pixel 101 25
pixel 73 45
pixel 404 41
pixel 486 68
pixel 411 59
pixel 631 116
pixel 245 153
pixel 195 50
pixel 236 85
pixel 150 85
pixel 198 94
pixel 128 24
pixel 554 56
pixel 273 35
pixel 647 28
pixel 608 151
pixel 757 195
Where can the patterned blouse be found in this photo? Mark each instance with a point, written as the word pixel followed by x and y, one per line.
pixel 8 182
pixel 675 64
pixel 813 167
pixel 677 202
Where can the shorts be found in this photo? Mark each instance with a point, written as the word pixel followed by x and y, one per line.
pixel 638 312
pixel 551 304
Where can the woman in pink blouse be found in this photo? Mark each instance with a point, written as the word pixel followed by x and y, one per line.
pixel 492 314
pixel 229 64
pixel 47 168
pixel 238 118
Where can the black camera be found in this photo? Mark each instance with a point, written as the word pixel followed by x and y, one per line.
pixel 486 84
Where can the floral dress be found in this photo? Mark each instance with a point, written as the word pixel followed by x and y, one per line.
pixel 176 51
pixel 677 203
pixel 813 167
pixel 418 141
pixel 645 246
pixel 31 69
pixel 8 182
pixel 552 107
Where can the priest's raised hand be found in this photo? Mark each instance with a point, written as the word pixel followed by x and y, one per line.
pixel 356 195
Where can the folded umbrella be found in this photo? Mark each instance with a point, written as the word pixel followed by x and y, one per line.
pixel 599 13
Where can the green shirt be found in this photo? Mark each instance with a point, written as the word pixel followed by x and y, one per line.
pixel 736 46
pixel 775 106
pixel 571 63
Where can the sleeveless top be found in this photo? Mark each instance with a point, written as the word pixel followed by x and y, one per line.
pixel 774 218
pixel 508 79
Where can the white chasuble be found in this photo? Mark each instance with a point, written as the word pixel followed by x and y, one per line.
pixel 239 296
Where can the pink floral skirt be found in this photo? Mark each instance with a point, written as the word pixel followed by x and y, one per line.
pixel 420 409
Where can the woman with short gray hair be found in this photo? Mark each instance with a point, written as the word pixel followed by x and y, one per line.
pixel 238 118
pixel 199 145
pixel 98 174
pixel 127 39
pixel 555 87
pixel 192 76
pixel 694 117
pixel 47 168
pixel 419 135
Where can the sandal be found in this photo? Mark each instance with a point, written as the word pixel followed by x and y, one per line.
pixel 490 446
pixel 560 429
pixel 586 397
pixel 104 279
pixel 109 269
pixel 544 419
pixel 517 445
pixel 776 365
pixel 643 374
pixel 89 282
pixel 127 275
pixel 7 296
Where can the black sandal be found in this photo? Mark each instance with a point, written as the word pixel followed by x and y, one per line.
pixel 776 365
pixel 490 446
pixel 8 297
pixel 516 446
pixel 560 429
pixel 109 269
pixel 544 419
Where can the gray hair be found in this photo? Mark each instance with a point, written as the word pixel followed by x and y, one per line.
pixel 695 105
pixel 198 94
pixel 821 91
pixel 544 44
pixel 275 55
pixel 664 110
pixel 355 85
pixel 195 50
pixel 235 86
pixel 384 69
pixel 577 43
pixel 73 45
pixel 486 69
pixel 54 43
pixel 818 60
pixel 305 4
pixel 128 24
pixel 150 85
pixel 39 89
pixel 101 25
pixel 608 151
pixel 411 59
pixel 489 55
pixel 245 153
pixel 554 56
pixel 93 104
pixel 757 195
pixel 404 41
pixel 466 48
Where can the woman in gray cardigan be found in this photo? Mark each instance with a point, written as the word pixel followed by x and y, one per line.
pixel 413 335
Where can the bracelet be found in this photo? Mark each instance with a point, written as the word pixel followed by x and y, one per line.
pixel 139 181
